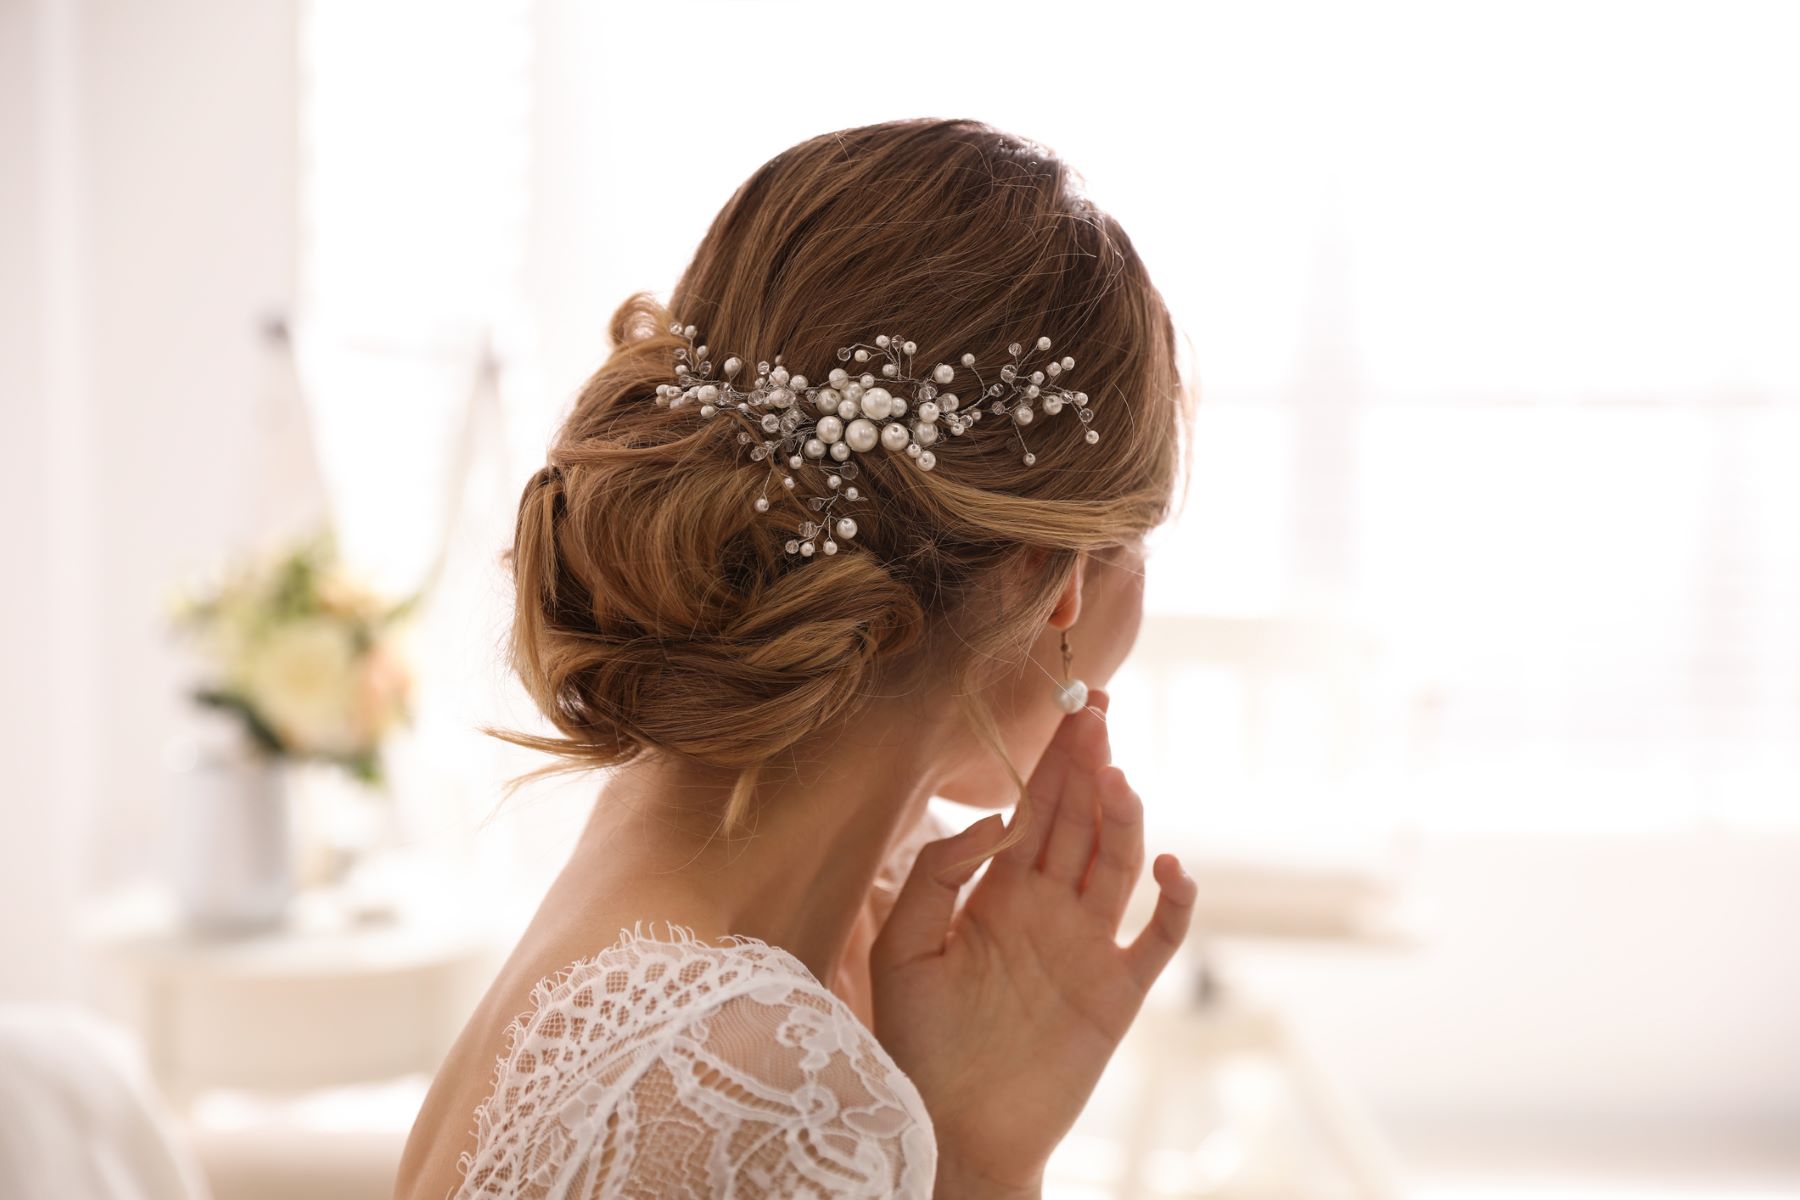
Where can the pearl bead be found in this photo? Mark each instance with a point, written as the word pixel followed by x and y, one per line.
pixel 890 370
pixel 838 377
pixel 707 410
pixel 815 448
pixel 852 493
pixel 733 365
pixel 881 339
pixel 862 356
pixel 1030 459
pixel 779 375
pixel 911 347
pixel 797 383
pixel 928 412
pixel 846 528
pixel 943 373
pixel 1043 343
pixel 1093 435
pixel 826 400
pixel 968 360
pixel 796 462
pixel 708 393
pixel 833 482
pixel 877 403
pixel 1072 696
pixel 1052 405
pixel 806 548
pixel 830 546
pixel 924 434
pixel 762 504
pixel 927 460
pixel 861 434
pixel 914 449
pixel 1022 414
pixel 899 409
pixel 895 436
pixel 847 409
pixel 830 429
pixel 787 481
pixel 840 450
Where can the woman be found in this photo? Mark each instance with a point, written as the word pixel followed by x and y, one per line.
pixel 797 563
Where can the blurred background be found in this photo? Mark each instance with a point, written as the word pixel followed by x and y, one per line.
pixel 1470 684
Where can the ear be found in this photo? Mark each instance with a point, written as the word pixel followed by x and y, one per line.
pixel 1068 604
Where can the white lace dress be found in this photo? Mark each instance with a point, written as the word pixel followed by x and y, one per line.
pixel 675 1067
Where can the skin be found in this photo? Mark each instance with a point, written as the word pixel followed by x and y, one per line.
pixel 1002 1014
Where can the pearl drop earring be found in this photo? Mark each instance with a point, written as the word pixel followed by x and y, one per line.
pixel 1071 694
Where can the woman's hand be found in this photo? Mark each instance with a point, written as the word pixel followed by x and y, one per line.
pixel 1005 1013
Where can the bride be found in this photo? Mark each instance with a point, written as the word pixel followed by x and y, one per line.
pixel 842 527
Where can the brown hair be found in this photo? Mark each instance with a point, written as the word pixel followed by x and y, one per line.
pixel 659 612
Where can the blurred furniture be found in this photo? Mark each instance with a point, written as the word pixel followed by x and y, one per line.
pixel 80 1118
pixel 294 1059
pixel 323 1000
pixel 1343 902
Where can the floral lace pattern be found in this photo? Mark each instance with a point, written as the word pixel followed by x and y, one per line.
pixel 678 1067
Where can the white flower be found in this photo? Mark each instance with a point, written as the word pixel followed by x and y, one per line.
pixel 302 679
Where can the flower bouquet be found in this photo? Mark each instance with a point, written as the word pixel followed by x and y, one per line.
pixel 306 656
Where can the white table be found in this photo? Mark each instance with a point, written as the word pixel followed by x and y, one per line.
pixel 325 1000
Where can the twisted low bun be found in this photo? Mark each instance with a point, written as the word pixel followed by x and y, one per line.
pixel 653 610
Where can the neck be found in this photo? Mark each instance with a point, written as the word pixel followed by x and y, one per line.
pixel 800 872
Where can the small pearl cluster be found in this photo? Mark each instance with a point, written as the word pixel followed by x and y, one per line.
pixel 825 423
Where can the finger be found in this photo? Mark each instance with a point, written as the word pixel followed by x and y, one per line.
pixel 1038 809
pixel 1119 857
pixel 1070 846
pixel 1157 943
pixel 920 917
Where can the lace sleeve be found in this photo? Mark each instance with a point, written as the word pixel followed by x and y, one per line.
pixel 684 1069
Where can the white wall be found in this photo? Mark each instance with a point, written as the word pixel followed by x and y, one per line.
pixel 148 215
pixel 41 541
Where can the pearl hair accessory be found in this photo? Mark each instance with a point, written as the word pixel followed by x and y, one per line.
pixel 825 423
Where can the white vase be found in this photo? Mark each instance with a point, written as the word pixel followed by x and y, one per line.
pixel 232 844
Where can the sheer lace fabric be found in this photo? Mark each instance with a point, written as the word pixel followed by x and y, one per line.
pixel 680 1068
